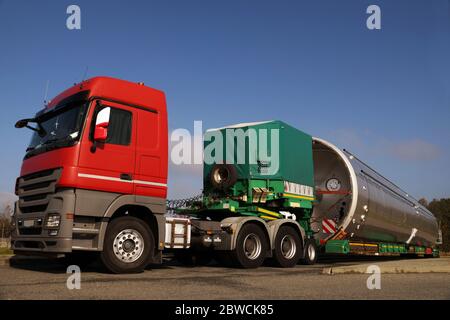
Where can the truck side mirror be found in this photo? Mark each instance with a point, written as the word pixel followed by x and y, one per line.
pixel 101 125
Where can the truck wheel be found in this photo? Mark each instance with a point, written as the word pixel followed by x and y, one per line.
pixel 310 256
pixel 288 247
pixel 128 245
pixel 251 247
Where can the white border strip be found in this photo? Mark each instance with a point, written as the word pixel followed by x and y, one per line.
pixel 94 176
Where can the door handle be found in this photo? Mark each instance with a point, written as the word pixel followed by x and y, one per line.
pixel 126 176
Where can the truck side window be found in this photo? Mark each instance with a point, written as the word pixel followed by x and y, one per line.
pixel 119 128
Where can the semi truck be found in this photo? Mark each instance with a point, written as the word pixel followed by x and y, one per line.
pixel 93 184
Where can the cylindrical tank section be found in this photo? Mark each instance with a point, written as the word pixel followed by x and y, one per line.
pixel 357 203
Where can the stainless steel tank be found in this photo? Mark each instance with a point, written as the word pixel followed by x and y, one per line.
pixel 361 204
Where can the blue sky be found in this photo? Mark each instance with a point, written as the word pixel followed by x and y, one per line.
pixel 383 94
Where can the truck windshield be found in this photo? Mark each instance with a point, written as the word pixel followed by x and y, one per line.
pixel 61 127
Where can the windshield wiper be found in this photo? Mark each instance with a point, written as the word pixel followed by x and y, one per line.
pixel 57 140
pixel 47 143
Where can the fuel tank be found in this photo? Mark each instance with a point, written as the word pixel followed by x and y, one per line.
pixel 355 202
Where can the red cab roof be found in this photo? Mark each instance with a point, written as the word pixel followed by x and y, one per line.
pixel 116 89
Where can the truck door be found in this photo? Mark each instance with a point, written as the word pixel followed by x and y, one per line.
pixel 151 155
pixel 109 165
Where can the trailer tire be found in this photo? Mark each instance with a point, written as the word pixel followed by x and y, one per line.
pixel 251 247
pixel 127 238
pixel 310 254
pixel 288 247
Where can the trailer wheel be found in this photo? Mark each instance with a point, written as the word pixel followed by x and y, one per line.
pixel 251 247
pixel 310 255
pixel 128 245
pixel 288 247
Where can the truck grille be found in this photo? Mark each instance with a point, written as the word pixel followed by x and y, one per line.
pixel 30 231
pixel 34 190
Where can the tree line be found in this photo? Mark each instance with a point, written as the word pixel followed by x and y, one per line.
pixel 5 222
pixel 441 210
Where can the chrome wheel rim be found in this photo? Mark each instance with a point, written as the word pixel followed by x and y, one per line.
pixel 252 246
pixel 288 247
pixel 128 245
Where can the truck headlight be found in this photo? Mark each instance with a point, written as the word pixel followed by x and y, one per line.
pixel 53 221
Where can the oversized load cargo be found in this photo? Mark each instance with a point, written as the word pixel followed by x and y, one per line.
pixel 355 202
pixel 349 200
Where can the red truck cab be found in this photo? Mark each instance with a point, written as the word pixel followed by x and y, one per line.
pixel 98 153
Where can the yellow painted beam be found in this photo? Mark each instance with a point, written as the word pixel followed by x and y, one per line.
pixel 268 218
pixel 271 213
pixel 363 244
pixel 295 196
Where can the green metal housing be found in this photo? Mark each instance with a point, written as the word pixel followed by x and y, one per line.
pixel 295 153
pixel 274 166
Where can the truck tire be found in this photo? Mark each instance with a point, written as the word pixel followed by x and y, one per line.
pixel 288 247
pixel 128 245
pixel 251 247
pixel 310 254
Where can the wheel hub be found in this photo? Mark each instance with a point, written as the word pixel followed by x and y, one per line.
pixel 128 245
pixel 288 247
pixel 252 246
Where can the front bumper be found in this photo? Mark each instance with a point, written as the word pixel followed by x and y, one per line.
pixel 26 245
pixel 31 235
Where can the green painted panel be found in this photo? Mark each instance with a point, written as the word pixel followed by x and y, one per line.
pixel 337 246
pixel 295 161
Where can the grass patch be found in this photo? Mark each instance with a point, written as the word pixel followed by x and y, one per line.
pixel 5 251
